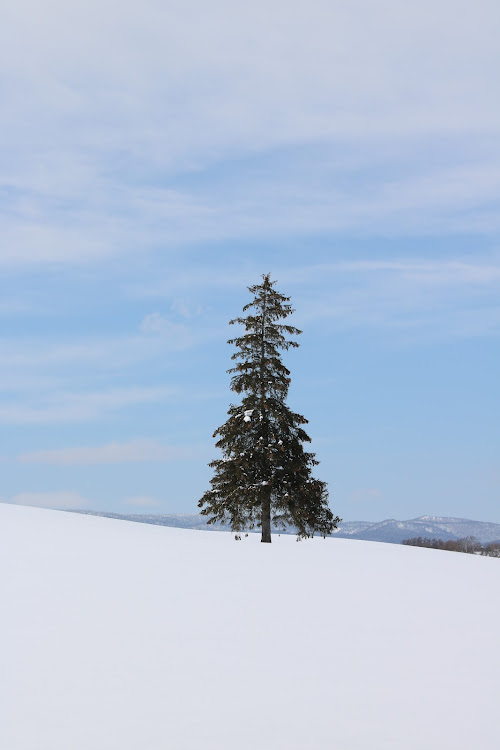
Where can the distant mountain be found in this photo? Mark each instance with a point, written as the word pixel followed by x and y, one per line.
pixel 390 530
pixel 432 527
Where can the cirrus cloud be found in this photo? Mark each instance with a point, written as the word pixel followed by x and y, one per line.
pixel 134 451
pixel 54 500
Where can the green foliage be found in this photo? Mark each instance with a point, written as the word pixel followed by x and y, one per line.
pixel 264 475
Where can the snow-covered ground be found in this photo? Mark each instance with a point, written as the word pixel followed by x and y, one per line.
pixel 123 636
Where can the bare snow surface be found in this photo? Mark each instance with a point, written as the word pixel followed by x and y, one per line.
pixel 123 636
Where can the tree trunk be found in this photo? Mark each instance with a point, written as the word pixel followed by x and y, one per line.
pixel 266 518
pixel 266 500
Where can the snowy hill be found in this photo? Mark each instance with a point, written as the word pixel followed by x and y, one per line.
pixel 122 636
pixel 390 530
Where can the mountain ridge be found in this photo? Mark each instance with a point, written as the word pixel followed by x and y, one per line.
pixel 390 530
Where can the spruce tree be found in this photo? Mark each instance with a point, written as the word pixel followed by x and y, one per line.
pixel 264 475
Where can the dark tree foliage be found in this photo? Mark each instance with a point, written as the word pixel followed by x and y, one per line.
pixel 264 476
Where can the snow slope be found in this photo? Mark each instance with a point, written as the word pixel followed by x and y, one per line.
pixel 123 636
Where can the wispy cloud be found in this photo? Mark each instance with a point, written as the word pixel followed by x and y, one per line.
pixel 55 500
pixel 483 271
pixel 186 307
pixel 280 202
pixel 447 296
pixel 176 334
pixel 134 451
pixel 155 160
pixel 421 298
pixel 80 407
pixel 103 158
pixel 110 352
pixel 452 272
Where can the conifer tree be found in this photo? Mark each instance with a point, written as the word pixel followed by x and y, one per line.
pixel 264 475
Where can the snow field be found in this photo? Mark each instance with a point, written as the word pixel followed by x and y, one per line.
pixel 123 636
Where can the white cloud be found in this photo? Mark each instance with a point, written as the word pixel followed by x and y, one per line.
pixel 80 407
pixel 434 299
pixel 108 353
pixel 134 451
pixel 446 272
pixel 310 59
pixel 56 500
pixel 447 296
pixel 175 333
pixel 104 102
pixel 186 308
pixel 48 243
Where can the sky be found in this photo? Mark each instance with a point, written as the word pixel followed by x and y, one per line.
pixel 157 158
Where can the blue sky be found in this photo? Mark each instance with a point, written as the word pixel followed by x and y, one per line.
pixel 156 158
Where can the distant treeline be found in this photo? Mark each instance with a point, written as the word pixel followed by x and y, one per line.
pixel 468 544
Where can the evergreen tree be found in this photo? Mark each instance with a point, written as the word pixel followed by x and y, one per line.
pixel 264 475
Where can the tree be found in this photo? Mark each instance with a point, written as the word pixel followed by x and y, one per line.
pixel 264 475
